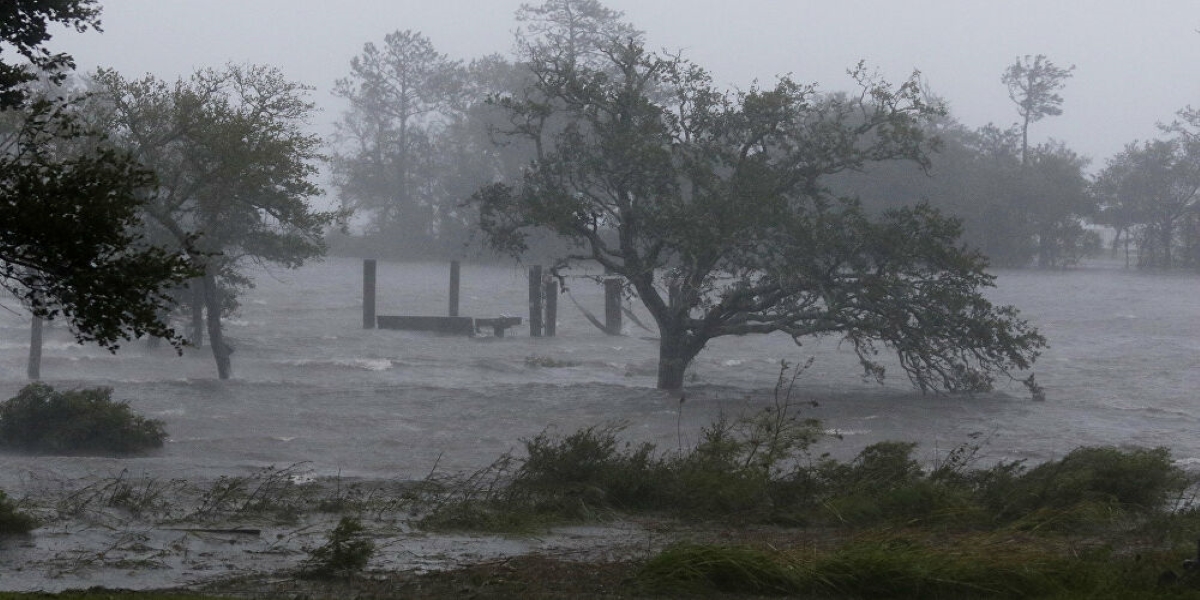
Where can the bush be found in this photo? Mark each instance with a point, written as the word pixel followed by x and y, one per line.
pixel 347 552
pixel 13 521
pixel 40 419
pixel 1089 484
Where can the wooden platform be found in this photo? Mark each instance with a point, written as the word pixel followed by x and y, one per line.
pixel 498 325
pixel 447 325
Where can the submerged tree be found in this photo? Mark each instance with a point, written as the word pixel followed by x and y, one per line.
pixel 235 168
pixel 1153 188
pixel 713 208
pixel 70 204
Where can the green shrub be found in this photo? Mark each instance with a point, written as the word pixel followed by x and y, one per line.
pixel 885 484
pixel 40 419
pixel 13 521
pixel 347 552
pixel 1087 484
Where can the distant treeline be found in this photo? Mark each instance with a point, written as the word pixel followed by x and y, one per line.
pixel 423 133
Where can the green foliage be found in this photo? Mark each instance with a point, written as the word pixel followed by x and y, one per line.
pixel 40 419
pixel 347 552
pixel 12 520
pixel 1090 484
pixel 27 27
pixel 71 245
pixel 744 468
pixel 591 474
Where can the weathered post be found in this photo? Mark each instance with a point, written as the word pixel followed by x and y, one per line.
pixel 454 267
pixel 369 293
pixel 535 301
pixel 34 368
pixel 551 307
pixel 612 306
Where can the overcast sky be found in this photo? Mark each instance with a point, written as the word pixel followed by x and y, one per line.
pixel 1137 62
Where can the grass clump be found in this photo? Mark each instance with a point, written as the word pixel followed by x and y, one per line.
pixel 699 569
pixel 347 552
pixel 87 421
pixel 892 565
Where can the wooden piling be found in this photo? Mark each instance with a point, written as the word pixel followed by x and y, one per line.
pixel 454 270
pixel 535 301
pixel 34 368
pixel 612 306
pixel 551 307
pixel 369 293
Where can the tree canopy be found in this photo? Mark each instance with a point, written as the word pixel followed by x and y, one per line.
pixel 714 208
pixel 71 241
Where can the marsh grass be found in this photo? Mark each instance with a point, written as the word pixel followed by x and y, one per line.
pixel 913 564
pixel 138 496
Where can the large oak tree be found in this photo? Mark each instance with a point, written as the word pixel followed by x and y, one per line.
pixel 713 207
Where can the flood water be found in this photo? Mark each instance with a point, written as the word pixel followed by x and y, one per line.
pixel 310 384
pixel 312 387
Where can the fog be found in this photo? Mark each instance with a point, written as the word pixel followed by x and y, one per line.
pixel 1135 61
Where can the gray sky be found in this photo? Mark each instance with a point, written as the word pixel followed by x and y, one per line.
pixel 1136 61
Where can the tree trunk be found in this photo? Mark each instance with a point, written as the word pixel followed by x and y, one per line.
pixel 212 309
pixel 674 356
pixel 34 368
pixel 197 290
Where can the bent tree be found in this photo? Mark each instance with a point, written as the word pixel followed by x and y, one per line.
pixel 711 206
pixel 235 169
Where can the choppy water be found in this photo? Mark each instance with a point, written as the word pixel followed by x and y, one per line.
pixel 311 385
